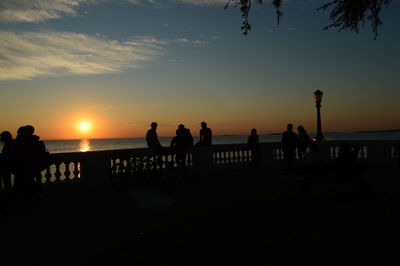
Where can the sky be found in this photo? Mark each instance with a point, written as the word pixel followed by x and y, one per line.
pixel 108 68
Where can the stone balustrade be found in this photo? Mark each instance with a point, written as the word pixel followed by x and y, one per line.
pixel 94 169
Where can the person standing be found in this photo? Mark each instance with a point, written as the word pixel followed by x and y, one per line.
pixel 252 141
pixel 289 144
pixel 303 142
pixel 6 167
pixel 205 134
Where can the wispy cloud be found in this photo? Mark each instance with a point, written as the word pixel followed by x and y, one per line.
pixel 34 11
pixel 203 2
pixel 184 41
pixel 35 54
pixel 29 55
pixel 38 10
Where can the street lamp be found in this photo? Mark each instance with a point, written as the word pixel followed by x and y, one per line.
pixel 318 97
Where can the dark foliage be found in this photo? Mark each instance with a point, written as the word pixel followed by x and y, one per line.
pixel 344 14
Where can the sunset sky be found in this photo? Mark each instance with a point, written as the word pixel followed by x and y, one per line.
pixel 108 68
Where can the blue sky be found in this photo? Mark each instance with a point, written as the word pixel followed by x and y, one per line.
pixel 122 64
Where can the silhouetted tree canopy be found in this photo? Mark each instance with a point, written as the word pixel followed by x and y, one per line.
pixel 344 14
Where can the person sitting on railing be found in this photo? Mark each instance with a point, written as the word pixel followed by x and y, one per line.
pixel 152 137
pixel 181 144
pixel 205 135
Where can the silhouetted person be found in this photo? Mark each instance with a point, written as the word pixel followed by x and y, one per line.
pixel 181 144
pixel 303 141
pixel 24 164
pixel 289 144
pixel 205 135
pixel 30 159
pixel 252 141
pixel 41 158
pixel 152 137
pixel 6 161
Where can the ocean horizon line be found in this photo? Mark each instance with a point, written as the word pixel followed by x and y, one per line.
pixel 228 135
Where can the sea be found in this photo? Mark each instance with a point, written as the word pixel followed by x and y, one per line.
pixel 85 145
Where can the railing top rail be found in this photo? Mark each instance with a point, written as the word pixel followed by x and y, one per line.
pixel 213 147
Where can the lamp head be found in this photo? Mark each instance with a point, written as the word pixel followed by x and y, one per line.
pixel 318 96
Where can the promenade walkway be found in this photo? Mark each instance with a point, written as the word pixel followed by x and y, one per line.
pixel 245 218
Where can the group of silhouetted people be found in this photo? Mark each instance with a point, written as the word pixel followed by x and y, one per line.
pixel 25 157
pixel 181 143
pixel 292 142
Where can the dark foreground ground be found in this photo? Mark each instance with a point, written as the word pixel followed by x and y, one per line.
pixel 242 218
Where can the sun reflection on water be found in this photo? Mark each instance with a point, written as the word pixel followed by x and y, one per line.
pixel 84 145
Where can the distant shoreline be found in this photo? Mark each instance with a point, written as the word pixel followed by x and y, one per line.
pixel 378 131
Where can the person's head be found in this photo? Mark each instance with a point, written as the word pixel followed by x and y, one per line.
pixel 6 137
pixel 30 130
pixel 203 124
pixel 289 127
pixel 181 130
pixel 154 125
pixel 300 128
pixel 22 132
pixel 254 131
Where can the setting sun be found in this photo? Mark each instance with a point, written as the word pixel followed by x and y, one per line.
pixel 84 127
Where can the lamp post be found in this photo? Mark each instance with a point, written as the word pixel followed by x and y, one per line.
pixel 318 97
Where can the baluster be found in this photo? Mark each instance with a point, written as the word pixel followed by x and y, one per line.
pixel 57 174
pixel 47 175
pixel 361 152
pixel 233 157
pixel 67 172
pixel 76 171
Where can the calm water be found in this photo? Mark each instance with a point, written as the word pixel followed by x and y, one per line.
pixel 58 146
